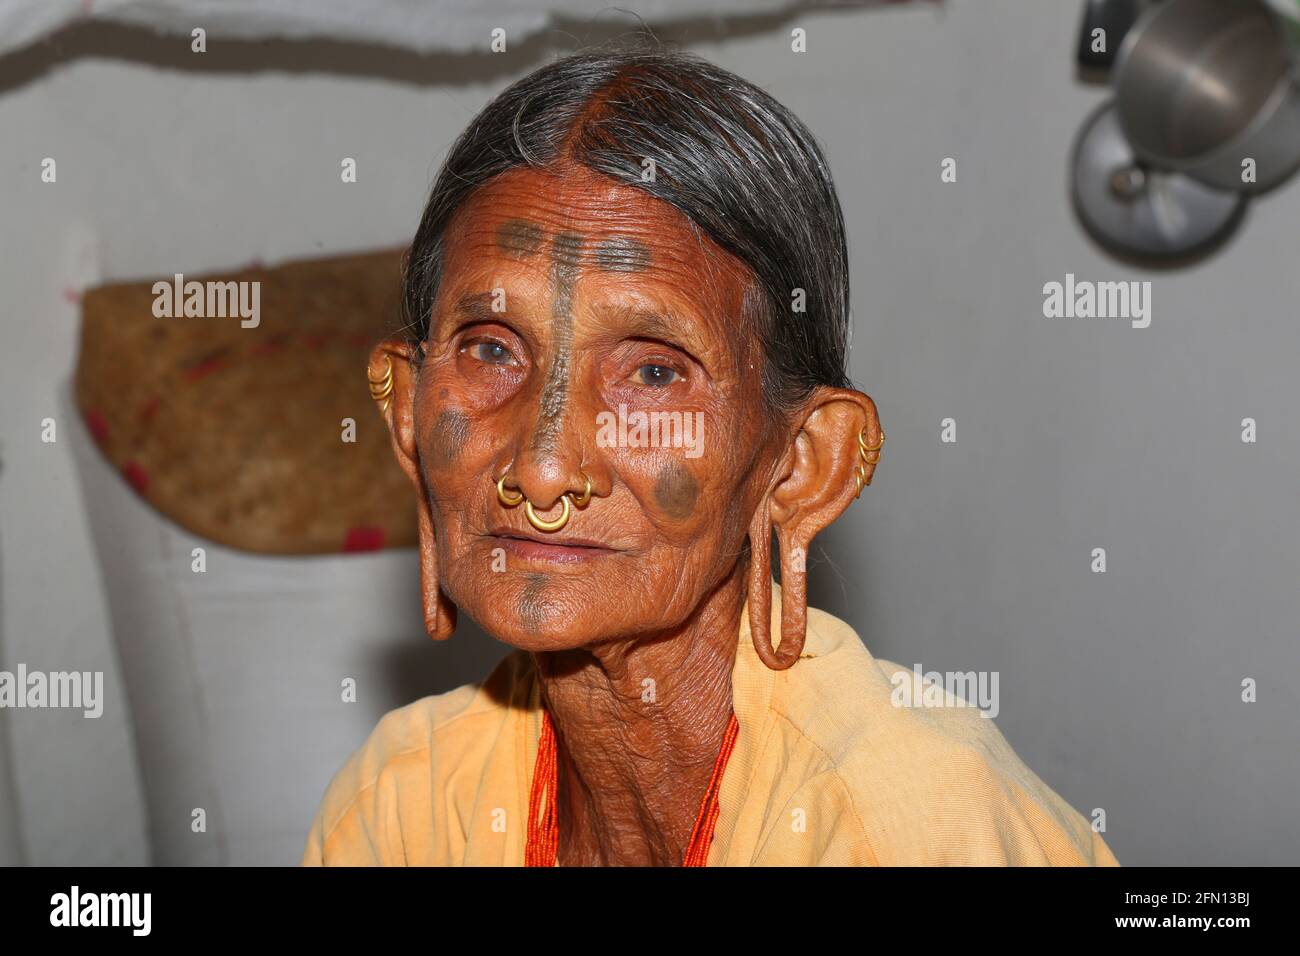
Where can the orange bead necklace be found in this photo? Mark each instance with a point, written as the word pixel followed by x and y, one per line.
pixel 544 829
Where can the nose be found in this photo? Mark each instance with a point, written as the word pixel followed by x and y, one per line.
pixel 544 478
pixel 547 461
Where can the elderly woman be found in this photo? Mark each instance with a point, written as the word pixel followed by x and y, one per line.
pixel 625 371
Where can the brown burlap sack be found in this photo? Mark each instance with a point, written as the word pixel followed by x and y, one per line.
pixel 237 433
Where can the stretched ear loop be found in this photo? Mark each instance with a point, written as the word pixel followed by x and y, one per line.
pixel 439 612
pixel 794 597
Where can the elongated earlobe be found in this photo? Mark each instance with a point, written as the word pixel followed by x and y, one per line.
pixel 439 612
pixel 794 600
pixel 392 386
pixel 794 604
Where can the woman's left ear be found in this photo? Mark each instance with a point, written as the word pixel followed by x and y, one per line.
pixel 833 457
pixel 392 362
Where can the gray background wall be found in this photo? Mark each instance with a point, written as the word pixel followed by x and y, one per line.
pixel 1122 690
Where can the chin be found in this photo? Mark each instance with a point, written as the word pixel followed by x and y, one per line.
pixel 538 596
pixel 536 612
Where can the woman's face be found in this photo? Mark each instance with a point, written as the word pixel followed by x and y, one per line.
pixel 568 305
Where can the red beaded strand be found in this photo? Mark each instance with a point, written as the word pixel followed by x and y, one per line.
pixel 697 852
pixel 543 834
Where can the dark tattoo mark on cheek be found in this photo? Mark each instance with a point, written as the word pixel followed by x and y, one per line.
pixel 519 238
pixel 565 255
pixel 532 611
pixel 621 254
pixel 450 431
pixel 676 490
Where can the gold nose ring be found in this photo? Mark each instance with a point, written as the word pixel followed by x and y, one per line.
pixel 507 498
pixel 567 501
pixel 541 524
pixel 583 498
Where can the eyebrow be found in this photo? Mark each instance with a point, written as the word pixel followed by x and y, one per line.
pixel 634 322
pixel 649 324
pixel 478 306
pixel 639 322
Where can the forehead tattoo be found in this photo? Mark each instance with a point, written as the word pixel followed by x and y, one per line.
pixel 523 239
pixel 566 254
pixel 621 254
pixel 519 238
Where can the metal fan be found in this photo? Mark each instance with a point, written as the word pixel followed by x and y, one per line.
pixel 1206 112
pixel 1140 209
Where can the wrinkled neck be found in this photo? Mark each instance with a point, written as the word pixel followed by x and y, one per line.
pixel 639 724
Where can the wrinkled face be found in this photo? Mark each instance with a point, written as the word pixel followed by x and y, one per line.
pixel 582 328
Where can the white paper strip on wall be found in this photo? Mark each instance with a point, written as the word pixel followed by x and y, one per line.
pixel 422 25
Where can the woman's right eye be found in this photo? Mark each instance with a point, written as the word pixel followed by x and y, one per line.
pixel 493 353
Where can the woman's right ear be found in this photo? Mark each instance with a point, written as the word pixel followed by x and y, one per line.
pixel 391 374
pixel 439 611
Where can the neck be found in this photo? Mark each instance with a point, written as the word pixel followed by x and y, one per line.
pixel 634 758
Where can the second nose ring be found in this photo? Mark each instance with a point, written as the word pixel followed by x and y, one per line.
pixel 512 498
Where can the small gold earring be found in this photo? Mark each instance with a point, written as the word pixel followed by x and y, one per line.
pixel 381 389
pixel 863 451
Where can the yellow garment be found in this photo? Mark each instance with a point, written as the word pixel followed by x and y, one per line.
pixel 826 771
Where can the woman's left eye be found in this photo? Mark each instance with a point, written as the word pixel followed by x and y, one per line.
pixel 655 375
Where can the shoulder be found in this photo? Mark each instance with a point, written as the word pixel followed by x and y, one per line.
pixel 381 797
pixel 930 777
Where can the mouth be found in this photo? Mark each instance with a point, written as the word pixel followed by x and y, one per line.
pixel 534 547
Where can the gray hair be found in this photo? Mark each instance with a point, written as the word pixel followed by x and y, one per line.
pixel 728 156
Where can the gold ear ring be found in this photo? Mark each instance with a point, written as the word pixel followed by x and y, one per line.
pixel 381 389
pixel 864 453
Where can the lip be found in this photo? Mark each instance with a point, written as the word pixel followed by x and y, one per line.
pixel 566 550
